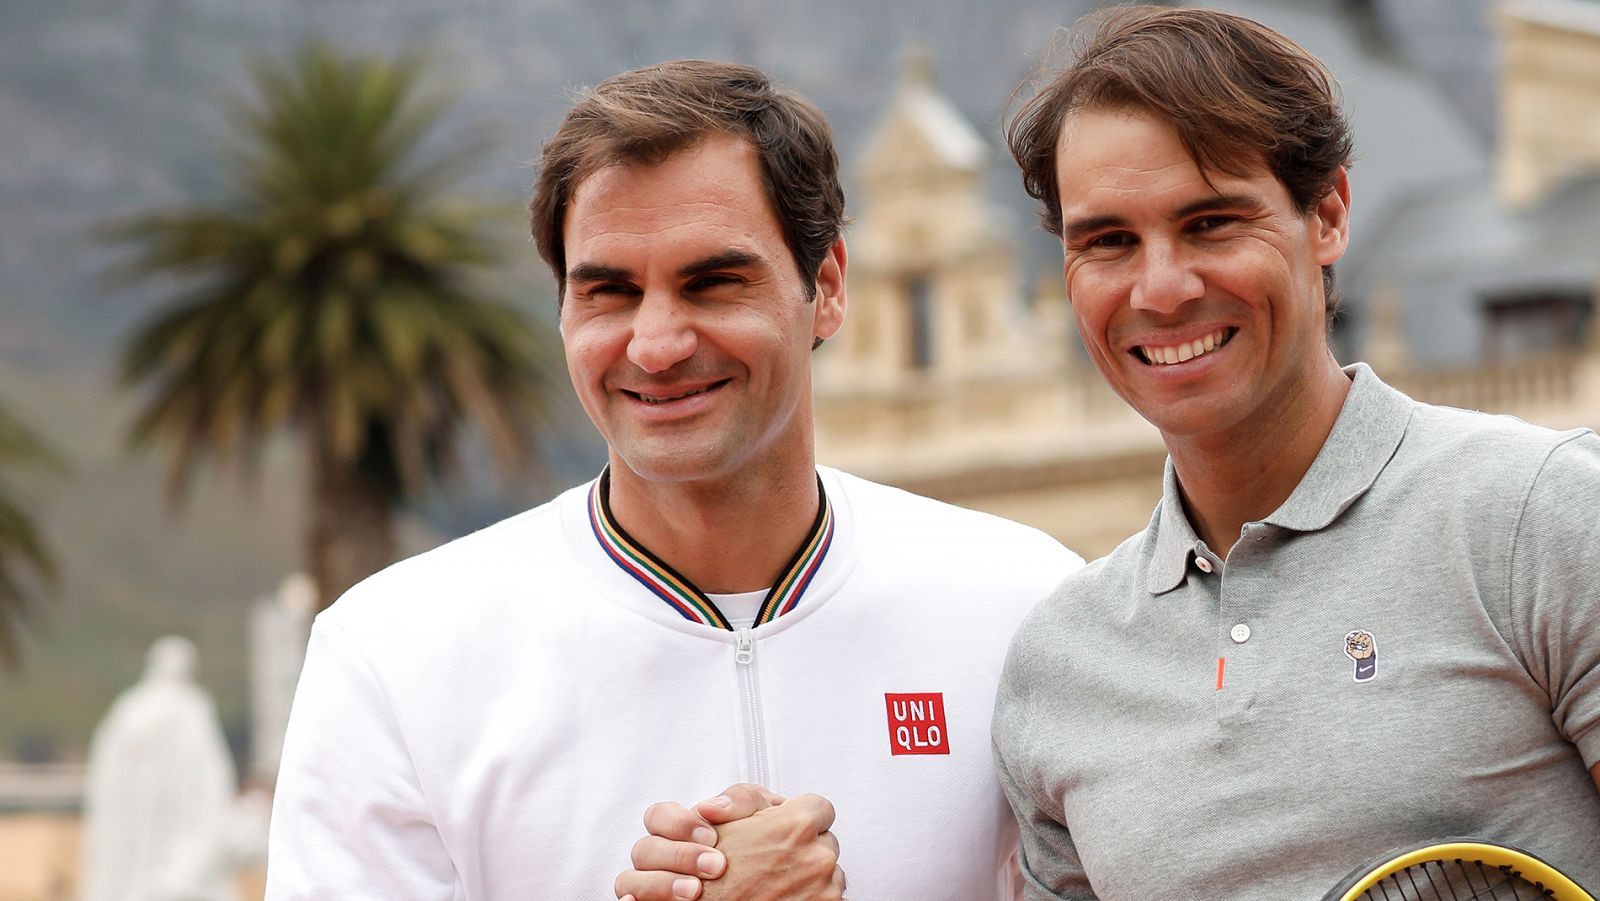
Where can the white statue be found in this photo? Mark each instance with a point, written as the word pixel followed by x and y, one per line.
pixel 280 625
pixel 160 788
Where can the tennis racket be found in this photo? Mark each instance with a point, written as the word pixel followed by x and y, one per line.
pixel 1457 869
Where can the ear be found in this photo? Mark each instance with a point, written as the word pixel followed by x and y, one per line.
pixel 1330 223
pixel 828 304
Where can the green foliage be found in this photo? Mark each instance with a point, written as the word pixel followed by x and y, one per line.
pixel 25 564
pixel 332 293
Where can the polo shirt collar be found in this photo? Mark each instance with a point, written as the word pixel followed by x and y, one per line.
pixel 1363 440
pixel 1174 538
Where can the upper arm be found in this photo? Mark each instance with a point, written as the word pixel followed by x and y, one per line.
pixel 1554 598
pixel 1046 855
pixel 349 818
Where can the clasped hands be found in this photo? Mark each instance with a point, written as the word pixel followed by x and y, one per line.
pixel 746 844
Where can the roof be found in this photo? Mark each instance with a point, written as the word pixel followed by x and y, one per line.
pixel 920 114
pixel 1406 131
pixel 1456 229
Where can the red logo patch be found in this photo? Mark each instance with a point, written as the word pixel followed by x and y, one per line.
pixel 916 723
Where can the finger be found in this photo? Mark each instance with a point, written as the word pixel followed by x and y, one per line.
pixel 678 823
pixel 684 858
pixel 737 802
pixel 838 880
pixel 817 808
pixel 827 838
pixel 657 886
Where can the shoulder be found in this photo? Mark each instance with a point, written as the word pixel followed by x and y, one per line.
pixel 1558 508
pixel 1483 440
pixel 953 552
pixel 1569 474
pixel 458 574
pixel 1100 588
pixel 1486 460
pixel 912 517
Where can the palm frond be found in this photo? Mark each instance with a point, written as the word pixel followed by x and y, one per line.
pixel 26 565
pixel 332 291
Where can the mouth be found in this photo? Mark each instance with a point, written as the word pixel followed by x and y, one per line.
pixel 1172 354
pixel 656 400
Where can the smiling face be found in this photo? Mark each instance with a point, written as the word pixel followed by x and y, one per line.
pixel 1201 303
pixel 687 328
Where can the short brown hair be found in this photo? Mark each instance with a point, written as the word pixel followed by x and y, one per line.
pixel 1237 93
pixel 646 115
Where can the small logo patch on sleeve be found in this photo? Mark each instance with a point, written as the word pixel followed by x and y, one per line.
pixel 916 723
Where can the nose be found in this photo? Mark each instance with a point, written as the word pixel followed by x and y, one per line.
pixel 663 333
pixel 1167 279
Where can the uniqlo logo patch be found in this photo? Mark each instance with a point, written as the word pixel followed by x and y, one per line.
pixel 916 723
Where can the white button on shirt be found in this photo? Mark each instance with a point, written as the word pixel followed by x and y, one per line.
pixel 1203 563
pixel 1240 633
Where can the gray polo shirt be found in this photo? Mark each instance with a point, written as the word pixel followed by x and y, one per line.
pixel 1408 648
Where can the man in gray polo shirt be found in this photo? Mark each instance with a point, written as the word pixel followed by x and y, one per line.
pixel 1355 621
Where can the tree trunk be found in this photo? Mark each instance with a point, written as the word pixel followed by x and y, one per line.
pixel 351 533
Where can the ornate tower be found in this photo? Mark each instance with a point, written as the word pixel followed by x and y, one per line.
pixel 933 291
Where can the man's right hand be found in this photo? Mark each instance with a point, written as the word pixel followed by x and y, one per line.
pixel 746 844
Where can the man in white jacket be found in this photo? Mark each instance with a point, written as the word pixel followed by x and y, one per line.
pixel 488 720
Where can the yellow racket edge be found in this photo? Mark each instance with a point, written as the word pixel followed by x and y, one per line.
pixel 1526 865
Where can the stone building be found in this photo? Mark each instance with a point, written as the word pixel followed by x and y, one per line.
pixel 1471 281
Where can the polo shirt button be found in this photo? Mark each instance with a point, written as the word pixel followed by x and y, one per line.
pixel 1240 633
pixel 1203 563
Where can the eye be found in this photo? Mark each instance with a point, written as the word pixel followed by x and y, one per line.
pixel 710 282
pixel 1212 223
pixel 1111 240
pixel 610 292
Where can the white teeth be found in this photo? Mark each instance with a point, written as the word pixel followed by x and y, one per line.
pixel 1181 353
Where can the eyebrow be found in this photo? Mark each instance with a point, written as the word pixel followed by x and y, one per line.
pixel 1220 202
pixel 1203 205
pixel 728 259
pixel 594 272
pixel 588 273
pixel 1091 224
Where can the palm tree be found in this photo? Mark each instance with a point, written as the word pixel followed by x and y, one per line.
pixel 331 295
pixel 25 564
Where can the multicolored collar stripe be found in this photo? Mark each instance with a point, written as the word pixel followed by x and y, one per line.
pixel 684 596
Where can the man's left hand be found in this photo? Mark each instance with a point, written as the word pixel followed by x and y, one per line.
pixel 779 850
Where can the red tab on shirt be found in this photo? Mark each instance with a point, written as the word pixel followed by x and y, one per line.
pixel 916 723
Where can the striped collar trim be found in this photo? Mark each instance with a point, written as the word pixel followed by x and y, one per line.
pixel 684 596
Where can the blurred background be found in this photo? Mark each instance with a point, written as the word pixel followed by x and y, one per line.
pixel 269 315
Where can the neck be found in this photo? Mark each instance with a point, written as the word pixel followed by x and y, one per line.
pixel 1243 474
pixel 726 535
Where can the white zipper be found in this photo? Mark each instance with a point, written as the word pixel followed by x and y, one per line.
pixel 750 699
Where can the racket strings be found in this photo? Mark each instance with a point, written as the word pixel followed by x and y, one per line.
pixel 1456 880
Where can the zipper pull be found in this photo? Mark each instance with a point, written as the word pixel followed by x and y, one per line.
pixel 746 647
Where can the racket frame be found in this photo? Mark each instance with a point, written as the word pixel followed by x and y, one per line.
pixel 1525 865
